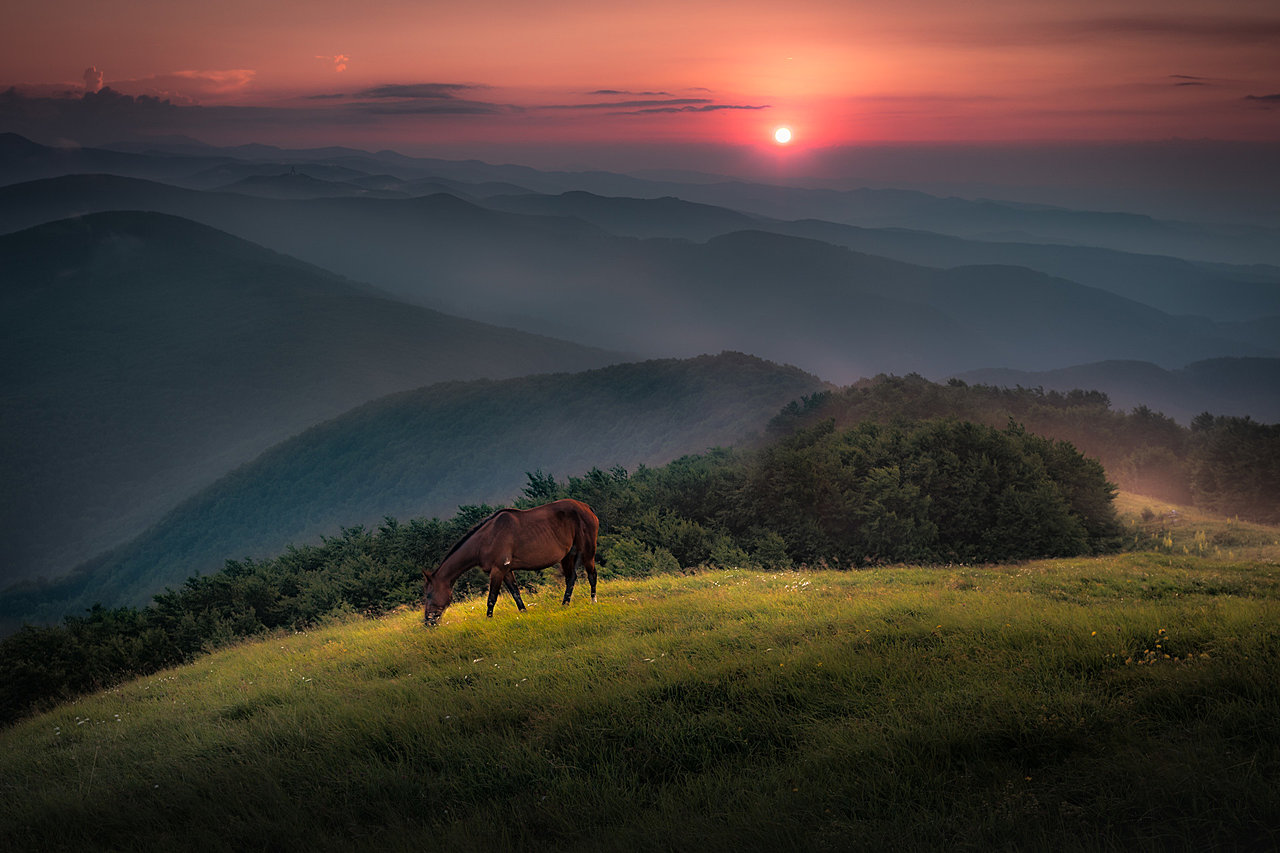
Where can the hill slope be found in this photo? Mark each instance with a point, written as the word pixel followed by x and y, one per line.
pixel 142 356
pixel 897 708
pixel 423 452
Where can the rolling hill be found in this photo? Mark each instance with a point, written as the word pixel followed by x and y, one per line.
pixel 426 451
pixel 142 356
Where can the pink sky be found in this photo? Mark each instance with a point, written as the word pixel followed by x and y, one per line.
pixel 417 76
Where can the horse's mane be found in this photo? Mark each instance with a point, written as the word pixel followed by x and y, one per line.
pixel 471 532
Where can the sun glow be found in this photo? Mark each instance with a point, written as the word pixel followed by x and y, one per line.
pixel 782 135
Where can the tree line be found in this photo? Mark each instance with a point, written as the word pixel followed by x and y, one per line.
pixel 1226 465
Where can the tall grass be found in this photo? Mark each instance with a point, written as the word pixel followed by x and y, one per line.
pixel 1119 703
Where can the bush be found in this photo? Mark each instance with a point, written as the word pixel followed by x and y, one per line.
pixel 630 558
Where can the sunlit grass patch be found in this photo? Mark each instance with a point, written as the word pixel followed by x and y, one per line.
pixel 1161 527
pixel 1119 702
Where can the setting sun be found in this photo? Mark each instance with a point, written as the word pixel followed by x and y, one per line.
pixel 782 135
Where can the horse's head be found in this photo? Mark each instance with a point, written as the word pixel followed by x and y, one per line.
pixel 435 598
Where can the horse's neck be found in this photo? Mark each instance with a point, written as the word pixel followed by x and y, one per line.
pixel 456 563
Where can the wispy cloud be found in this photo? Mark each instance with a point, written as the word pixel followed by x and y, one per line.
pixel 652 106
pixel 189 86
pixel 705 108
pixel 1265 100
pixel 223 81
pixel 627 92
pixel 427 91
pixel 424 99
pixel 603 105
pixel 1202 28
pixel 339 61
pixel 447 107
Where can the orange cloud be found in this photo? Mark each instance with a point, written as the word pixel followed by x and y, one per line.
pixel 339 61
pixel 189 86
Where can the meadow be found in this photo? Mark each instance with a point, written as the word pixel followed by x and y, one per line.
pixel 1119 702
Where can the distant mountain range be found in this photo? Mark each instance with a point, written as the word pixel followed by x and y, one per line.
pixel 142 356
pixel 981 219
pixel 1173 285
pixel 423 452
pixel 835 312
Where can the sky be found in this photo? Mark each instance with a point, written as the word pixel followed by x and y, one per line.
pixel 496 76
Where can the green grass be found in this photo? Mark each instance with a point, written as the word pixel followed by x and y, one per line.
pixel 1176 529
pixel 1124 702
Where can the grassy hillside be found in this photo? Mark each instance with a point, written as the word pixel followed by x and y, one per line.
pixel 142 356
pixel 424 452
pixel 1122 702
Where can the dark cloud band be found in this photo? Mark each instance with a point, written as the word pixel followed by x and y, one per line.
pixel 427 91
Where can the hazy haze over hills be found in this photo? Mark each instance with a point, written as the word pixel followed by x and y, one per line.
pixel 979 218
pixel 836 312
pixel 1174 285
pixel 146 355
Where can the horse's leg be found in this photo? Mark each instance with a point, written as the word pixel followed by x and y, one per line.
pixel 588 557
pixel 509 580
pixel 569 565
pixel 495 586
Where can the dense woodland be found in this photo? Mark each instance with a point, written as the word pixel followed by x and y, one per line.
pixel 1227 465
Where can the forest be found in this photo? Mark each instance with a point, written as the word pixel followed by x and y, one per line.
pixel 1226 465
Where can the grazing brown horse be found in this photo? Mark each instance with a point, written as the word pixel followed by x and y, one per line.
pixel 561 532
